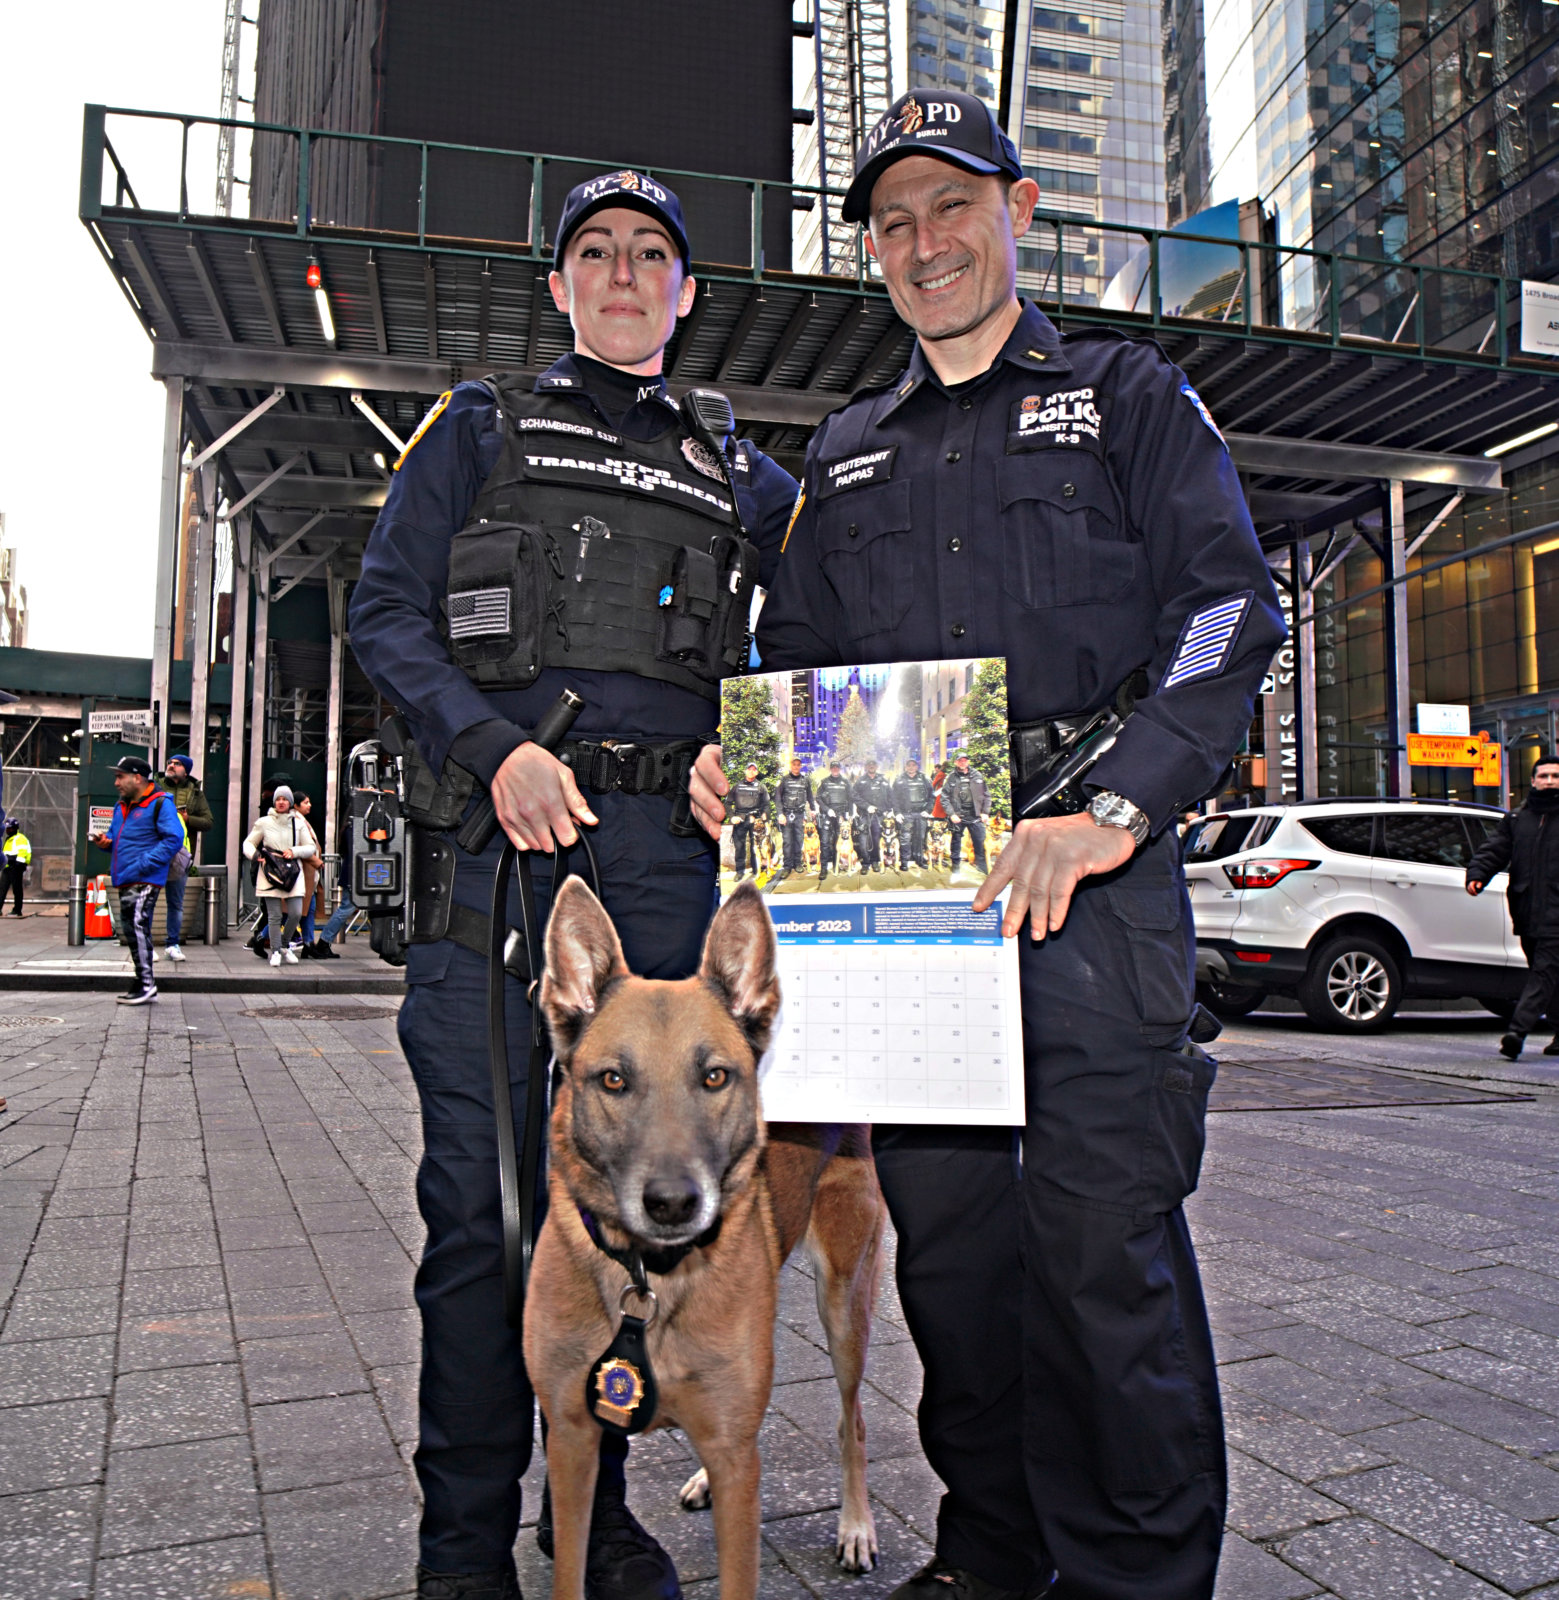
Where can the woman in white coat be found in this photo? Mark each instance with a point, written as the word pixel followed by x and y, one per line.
pixel 285 835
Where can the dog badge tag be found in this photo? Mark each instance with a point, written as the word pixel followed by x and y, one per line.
pixel 620 1391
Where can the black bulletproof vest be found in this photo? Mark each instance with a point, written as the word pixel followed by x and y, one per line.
pixel 915 794
pixel 833 794
pixel 588 549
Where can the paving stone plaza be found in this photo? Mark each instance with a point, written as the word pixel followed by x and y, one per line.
pixel 208 1352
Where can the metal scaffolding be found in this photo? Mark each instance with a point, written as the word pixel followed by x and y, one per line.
pixel 232 31
pixel 852 88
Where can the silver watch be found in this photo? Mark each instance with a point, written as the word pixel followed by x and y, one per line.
pixel 1111 810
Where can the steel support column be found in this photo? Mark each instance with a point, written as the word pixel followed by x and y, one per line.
pixel 200 662
pixel 167 561
pixel 262 630
pixel 238 654
pixel 1398 712
pixel 1304 672
pixel 336 594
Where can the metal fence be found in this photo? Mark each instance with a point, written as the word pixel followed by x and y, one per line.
pixel 43 800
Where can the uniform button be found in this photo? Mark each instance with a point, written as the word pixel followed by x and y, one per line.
pixel 955 544
pixel 965 404
pixel 954 455
pixel 854 531
pixel 958 630
pixel 1068 489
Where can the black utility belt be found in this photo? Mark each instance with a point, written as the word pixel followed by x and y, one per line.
pixel 1034 745
pixel 619 766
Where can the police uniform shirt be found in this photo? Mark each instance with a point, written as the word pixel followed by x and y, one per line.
pixel 1075 510
pixel 394 622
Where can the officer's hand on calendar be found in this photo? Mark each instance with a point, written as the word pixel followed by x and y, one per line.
pixel 537 799
pixel 706 783
pixel 1044 861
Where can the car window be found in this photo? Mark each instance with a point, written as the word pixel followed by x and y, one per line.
pixel 1432 840
pixel 1480 828
pixel 1217 837
pixel 1349 835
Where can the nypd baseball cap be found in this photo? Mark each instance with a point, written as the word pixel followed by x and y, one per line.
pixel 942 123
pixel 630 189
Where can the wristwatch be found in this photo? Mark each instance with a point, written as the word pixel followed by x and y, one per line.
pixel 1111 810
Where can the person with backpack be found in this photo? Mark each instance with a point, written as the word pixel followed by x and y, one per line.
pixel 280 842
pixel 142 840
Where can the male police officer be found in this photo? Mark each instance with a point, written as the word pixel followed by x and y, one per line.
pixel 502 570
pixel 792 802
pixel 1068 504
pixel 833 805
pixel 913 798
pixel 872 797
pixel 967 802
pixel 749 805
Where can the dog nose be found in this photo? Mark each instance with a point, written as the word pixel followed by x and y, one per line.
pixel 670 1202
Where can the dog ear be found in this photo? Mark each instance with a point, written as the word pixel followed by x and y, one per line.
pixel 584 955
pixel 739 963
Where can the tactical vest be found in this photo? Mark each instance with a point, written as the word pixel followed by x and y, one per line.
pixel 588 549
pixel 916 794
pixel 833 794
pixel 795 794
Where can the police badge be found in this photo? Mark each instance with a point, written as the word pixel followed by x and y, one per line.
pixel 620 1392
pixel 702 459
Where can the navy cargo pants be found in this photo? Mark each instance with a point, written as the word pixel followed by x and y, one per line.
pixel 1070 1403
pixel 475 1398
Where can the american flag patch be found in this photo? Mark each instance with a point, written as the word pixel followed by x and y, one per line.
pixel 1207 641
pixel 475 612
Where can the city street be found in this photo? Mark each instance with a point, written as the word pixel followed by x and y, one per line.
pixel 207 1360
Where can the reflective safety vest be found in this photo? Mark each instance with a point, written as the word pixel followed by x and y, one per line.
pixel 585 548
pixel 18 848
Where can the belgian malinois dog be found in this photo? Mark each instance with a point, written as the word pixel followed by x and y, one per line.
pixel 660 1158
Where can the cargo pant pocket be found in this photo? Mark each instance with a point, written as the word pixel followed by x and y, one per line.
pixel 1176 1133
pixel 1161 967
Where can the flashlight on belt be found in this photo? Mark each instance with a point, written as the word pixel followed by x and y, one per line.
pixel 479 828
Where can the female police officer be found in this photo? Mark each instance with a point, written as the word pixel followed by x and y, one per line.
pixel 1069 504
pixel 506 565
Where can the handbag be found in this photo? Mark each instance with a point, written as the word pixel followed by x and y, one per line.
pixel 281 872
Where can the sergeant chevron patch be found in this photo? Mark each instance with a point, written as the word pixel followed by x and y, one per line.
pixel 1207 640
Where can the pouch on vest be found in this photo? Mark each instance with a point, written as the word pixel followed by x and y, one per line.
pixel 687 625
pixel 496 605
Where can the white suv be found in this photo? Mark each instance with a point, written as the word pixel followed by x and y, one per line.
pixel 1349 905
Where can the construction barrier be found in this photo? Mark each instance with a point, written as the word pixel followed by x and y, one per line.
pixel 99 924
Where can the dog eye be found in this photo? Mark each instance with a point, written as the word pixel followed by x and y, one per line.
pixel 613 1081
pixel 716 1078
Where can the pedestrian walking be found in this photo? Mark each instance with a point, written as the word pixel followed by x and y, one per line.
pixel 281 841
pixel 178 780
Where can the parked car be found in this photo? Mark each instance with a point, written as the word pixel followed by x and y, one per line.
pixel 1350 906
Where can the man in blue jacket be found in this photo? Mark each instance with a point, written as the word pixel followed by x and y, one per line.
pixel 143 838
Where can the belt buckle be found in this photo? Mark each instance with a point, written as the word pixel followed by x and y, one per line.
pixel 604 768
pixel 629 776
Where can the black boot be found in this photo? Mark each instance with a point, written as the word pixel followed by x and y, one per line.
pixel 501 1585
pixel 938 1581
pixel 1510 1045
pixel 623 1561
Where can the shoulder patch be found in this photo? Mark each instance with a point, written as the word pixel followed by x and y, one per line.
pixel 557 381
pixel 855 471
pixel 795 511
pixel 1205 414
pixel 422 427
pixel 1207 640
pixel 1062 417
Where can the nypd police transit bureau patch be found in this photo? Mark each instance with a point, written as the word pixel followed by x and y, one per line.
pixel 625 473
pixel 855 472
pixel 422 427
pixel 1206 415
pixel 1064 418
pixel 1207 640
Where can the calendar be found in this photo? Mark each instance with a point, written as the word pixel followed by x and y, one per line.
pixel 894 1011
pixel 868 804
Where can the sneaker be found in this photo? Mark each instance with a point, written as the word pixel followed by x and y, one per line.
pixel 938 1581
pixel 623 1561
pixel 501 1585
pixel 137 997
pixel 276 958
pixel 290 955
pixel 176 954
pixel 1510 1045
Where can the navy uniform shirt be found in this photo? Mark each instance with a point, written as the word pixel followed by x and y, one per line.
pixel 394 621
pixel 1074 509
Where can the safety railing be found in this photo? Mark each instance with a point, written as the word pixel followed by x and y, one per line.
pixel 469 199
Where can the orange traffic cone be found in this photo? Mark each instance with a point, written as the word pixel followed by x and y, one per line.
pixel 99 925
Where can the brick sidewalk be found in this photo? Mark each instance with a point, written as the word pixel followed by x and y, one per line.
pixel 207 1367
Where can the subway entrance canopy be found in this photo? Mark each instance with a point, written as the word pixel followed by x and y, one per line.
pixel 300 347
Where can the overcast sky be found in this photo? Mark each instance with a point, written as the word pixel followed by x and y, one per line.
pixel 80 415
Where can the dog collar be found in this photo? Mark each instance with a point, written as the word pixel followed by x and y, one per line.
pixel 636 1262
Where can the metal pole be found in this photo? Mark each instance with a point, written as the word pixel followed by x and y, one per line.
pixel 167 557
pixel 200 665
pixel 1304 674
pixel 336 590
pixel 1398 711
pixel 262 624
pixel 238 655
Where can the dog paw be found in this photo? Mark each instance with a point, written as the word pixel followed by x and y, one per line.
pixel 695 1492
pixel 856 1550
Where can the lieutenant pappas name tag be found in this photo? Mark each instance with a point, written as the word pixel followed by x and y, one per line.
pixel 1067 417
pixel 855 472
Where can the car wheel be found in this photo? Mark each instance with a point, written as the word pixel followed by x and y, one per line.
pixel 1352 985
pixel 1503 1009
pixel 1229 999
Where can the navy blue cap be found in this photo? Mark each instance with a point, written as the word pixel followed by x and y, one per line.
pixel 133 764
pixel 952 126
pixel 626 188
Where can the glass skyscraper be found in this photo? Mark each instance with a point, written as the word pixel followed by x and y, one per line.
pixel 956 46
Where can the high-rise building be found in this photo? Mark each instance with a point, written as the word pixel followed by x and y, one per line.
pixel 1086 111
pixel 13 597
pixel 952 45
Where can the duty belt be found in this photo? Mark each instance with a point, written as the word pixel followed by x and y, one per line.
pixel 616 765
pixel 1033 745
